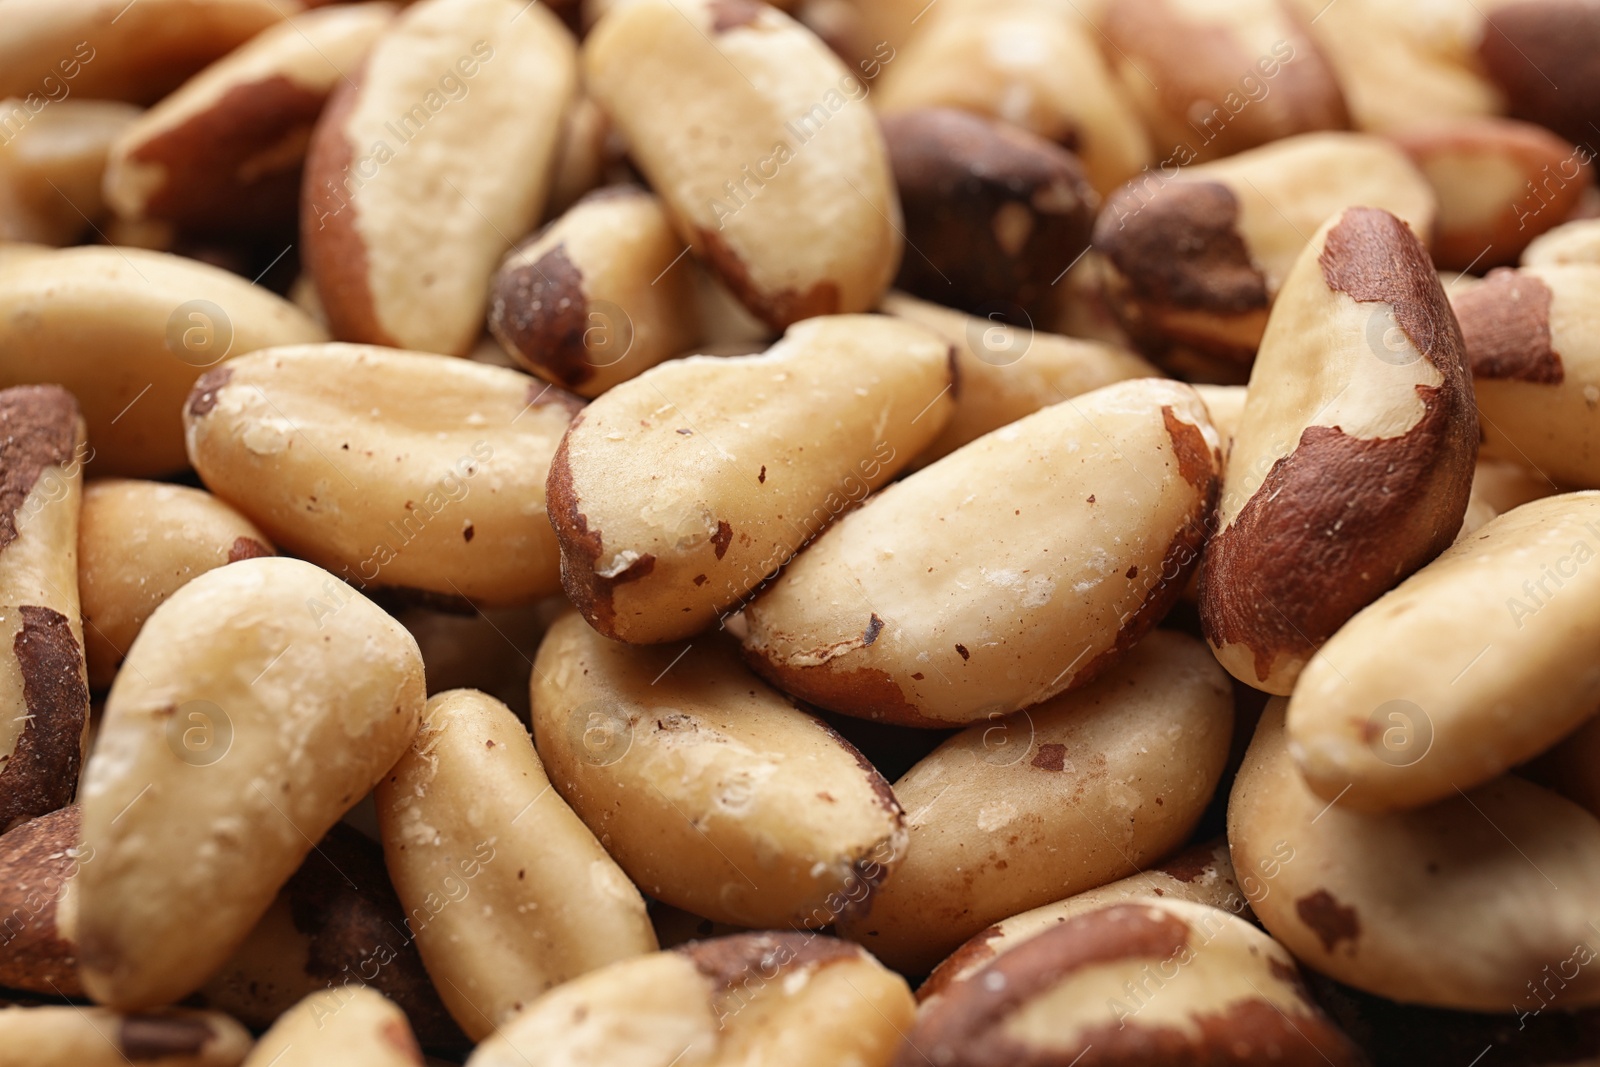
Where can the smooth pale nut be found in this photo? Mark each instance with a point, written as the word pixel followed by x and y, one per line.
pixel 769 998
pixel 995 214
pixel 1031 63
pixel 404 215
pixel 51 159
pixel 1354 458
pixel 1148 981
pixel 1006 372
pixel 1015 812
pixel 1541 54
pixel 1572 243
pixel 240 728
pixel 73 1036
pixel 388 468
pixel 1533 342
pixel 710 789
pixel 1457 905
pixel 1500 184
pixel 225 151
pixel 761 144
pixel 677 493
pixel 1211 79
pixel 1017 567
pixel 469 810
pixel 44 735
pixel 64 315
pixel 599 296
pixel 349 1025
pixel 1197 259
pixel 105 49
pixel 39 862
pixel 138 542
pixel 1384 717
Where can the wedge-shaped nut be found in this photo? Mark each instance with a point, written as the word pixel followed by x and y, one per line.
pixel 1379 719
pixel 1354 459
pixel 137 543
pixel 225 151
pixel 39 864
pixel 762 146
pixel 1197 256
pixel 1533 341
pixel 1213 79
pixel 128 332
pixel 769 998
pixel 72 1036
pixel 52 155
pixel 1015 812
pixel 1152 981
pixel 1015 568
pixel 388 468
pixel 469 805
pixel 1031 63
pixel 710 789
pixel 994 214
pixel 1007 372
pixel 598 297
pixel 42 682
pixel 1541 54
pixel 404 213
pixel 1458 905
pixel 1568 244
pixel 676 494
pixel 1500 183
pixel 243 724
pixel 351 1025
pixel 103 49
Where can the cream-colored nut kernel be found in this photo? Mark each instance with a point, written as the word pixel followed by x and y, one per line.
pixel 1225 403
pixel 429 163
pixel 350 1025
pixel 710 789
pixel 1015 812
pixel 1202 875
pixel 1477 662
pixel 676 494
pixel 767 998
pixel 1503 484
pixel 43 687
pixel 51 159
pixel 1214 79
pixel 39 863
pixel 1533 342
pixel 242 725
pixel 137 543
pixel 1032 63
pixel 1568 244
pixel 1353 463
pixel 1004 373
pixel 1147 981
pixel 225 151
pixel 599 296
pixel 388 468
pixel 107 49
pixel 1459 905
pixel 1500 184
pixel 1196 257
pixel 128 332
pixel 72 1036
pixel 761 144
pixel 470 806
pixel 582 157
pixel 1016 568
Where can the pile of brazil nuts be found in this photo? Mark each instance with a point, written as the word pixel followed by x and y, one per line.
pixel 839 533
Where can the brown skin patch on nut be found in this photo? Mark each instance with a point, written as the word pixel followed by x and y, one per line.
pixel 38 429
pixel 1545 56
pixel 777 309
pixel 1197 461
pixel 1051 757
pixel 207 389
pixel 732 14
pixel 34 868
pixel 874 628
pixel 729 961
pixel 867 691
pixel 42 773
pixel 1252 1031
pixel 541 394
pixel 976 949
pixel 1505 325
pixel 247 548
pixel 1331 921
pixel 722 538
pixel 155 1037
pixel 539 312
pixel 1191 864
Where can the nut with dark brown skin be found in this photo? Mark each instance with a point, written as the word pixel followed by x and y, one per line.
pixel 74 1036
pixel 993 214
pixel 1545 56
pixel 39 860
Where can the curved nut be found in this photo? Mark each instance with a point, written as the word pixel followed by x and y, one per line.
pixel 676 494
pixel 1568 244
pixel 711 790
pixel 761 144
pixel 1541 54
pixel 240 728
pixel 1015 812
pixel 389 468
pixel 73 1036
pixel 468 814
pixel 1016 568
pixel 51 160
pixel 353 1026
pixel 403 216
pixel 39 863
